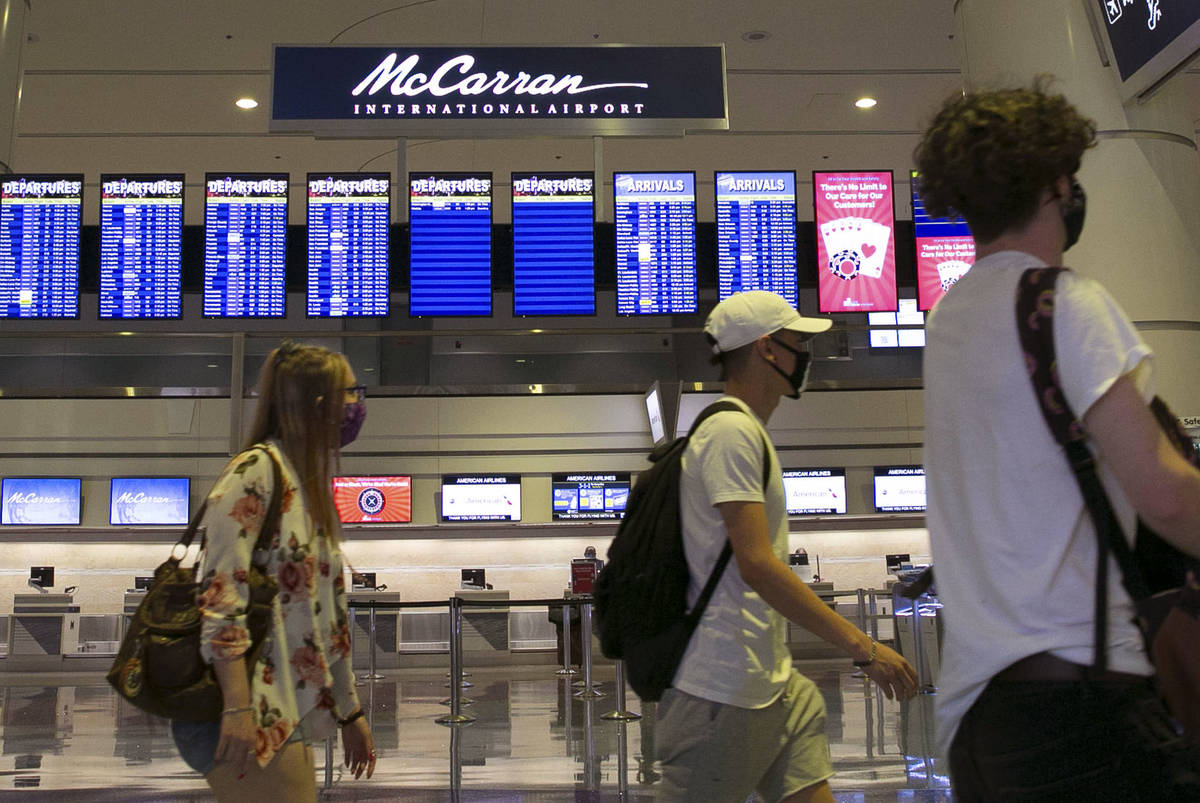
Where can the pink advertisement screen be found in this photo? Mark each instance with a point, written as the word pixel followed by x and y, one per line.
pixel 856 243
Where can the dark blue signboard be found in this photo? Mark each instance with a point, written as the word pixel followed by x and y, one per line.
pixel 245 245
pixel 40 217
pixel 450 244
pixel 1150 38
pixel 141 235
pixel 553 220
pixel 612 89
pixel 348 217
pixel 656 242
pixel 756 233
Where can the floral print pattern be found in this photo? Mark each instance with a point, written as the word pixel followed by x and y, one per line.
pixel 303 670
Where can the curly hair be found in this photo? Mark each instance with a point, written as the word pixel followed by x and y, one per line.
pixel 987 156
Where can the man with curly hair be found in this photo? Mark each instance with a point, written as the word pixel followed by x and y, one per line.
pixel 1020 714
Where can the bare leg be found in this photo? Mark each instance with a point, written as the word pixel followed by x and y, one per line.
pixel 290 776
pixel 817 793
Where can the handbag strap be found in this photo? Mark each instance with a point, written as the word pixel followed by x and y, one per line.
pixel 1035 326
pixel 270 522
pixel 714 577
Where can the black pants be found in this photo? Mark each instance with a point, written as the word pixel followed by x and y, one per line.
pixel 1065 742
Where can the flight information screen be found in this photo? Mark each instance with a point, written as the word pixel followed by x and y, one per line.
pixel 553 221
pixel 40 217
pixel 945 250
pixel 450 244
pixel 656 242
pixel 141 235
pixel 245 245
pixel 756 233
pixel 348 218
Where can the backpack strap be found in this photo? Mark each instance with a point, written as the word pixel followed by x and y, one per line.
pixel 1035 325
pixel 714 577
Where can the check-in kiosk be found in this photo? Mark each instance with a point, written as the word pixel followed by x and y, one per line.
pixel 484 629
pixel 387 623
pixel 45 626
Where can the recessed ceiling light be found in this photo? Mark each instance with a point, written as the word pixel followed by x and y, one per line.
pixel 865 103
pixel 756 36
pixel 246 103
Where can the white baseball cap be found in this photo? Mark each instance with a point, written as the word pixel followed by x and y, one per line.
pixel 745 317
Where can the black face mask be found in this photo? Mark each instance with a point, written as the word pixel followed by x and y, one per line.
pixel 798 378
pixel 1074 209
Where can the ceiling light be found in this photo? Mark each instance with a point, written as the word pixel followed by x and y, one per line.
pixel 246 103
pixel 865 103
pixel 756 36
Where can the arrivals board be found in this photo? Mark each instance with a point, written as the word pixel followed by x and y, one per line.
pixel 856 246
pixel 450 244
pixel 553 224
pixel 245 245
pixel 945 250
pixel 40 218
pixel 348 219
pixel 655 216
pixel 756 233
pixel 141 246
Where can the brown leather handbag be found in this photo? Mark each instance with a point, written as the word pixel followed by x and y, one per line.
pixel 1161 580
pixel 159 667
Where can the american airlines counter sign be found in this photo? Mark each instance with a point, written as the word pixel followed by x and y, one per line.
pixel 354 91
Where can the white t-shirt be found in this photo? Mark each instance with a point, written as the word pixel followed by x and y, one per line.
pixel 738 654
pixel 1013 546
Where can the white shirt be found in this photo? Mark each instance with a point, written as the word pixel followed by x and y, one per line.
pixel 1013 545
pixel 738 654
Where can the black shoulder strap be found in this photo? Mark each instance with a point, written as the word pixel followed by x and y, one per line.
pixel 714 577
pixel 1035 325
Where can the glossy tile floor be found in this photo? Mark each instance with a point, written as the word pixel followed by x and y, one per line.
pixel 68 737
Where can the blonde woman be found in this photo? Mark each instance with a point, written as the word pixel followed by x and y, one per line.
pixel 300 687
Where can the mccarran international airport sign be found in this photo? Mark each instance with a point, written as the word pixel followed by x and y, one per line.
pixel 353 91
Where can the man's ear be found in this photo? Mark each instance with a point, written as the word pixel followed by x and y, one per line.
pixel 764 348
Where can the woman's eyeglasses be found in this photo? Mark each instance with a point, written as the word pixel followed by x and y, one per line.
pixel 359 392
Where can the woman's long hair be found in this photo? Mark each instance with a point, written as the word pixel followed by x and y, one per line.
pixel 301 403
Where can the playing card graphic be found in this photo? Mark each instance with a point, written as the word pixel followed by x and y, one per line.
pixel 873 244
pixel 951 271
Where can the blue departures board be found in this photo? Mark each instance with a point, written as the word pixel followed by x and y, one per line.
pixel 656 242
pixel 450 244
pixel 348 218
pixel 141 233
pixel 756 233
pixel 554 255
pixel 245 245
pixel 40 216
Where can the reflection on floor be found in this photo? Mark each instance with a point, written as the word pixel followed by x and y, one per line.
pixel 533 740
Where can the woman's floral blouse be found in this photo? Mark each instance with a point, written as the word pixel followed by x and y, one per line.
pixel 303 671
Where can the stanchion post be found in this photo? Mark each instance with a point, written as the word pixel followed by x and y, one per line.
pixel 567 668
pixel 588 692
pixel 456 716
pixel 371 674
pixel 353 626
pixel 862 625
pixel 329 762
pixel 873 610
pixel 924 686
pixel 621 714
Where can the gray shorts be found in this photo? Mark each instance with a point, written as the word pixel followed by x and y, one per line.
pixel 716 752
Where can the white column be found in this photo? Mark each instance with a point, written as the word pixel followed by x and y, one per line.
pixel 1142 235
pixel 12 45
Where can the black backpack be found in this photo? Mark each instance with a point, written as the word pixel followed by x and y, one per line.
pixel 641 594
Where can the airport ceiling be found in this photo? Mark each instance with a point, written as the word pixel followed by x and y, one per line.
pixel 148 85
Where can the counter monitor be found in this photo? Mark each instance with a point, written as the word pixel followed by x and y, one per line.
pixel 450 244
pixel 40 500
pixel 756 233
pixel 373 500
pixel 137 501
pixel 348 219
pixel 589 496
pixel 554 255
pixel 899 489
pixel 815 491
pixel 481 497
pixel 655 218
pixel 245 245
pixel 40 220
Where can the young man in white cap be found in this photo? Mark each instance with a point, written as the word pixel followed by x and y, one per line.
pixel 738 717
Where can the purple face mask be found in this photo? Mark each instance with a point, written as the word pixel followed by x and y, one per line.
pixel 352 421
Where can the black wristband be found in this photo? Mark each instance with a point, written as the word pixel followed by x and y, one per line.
pixel 356 715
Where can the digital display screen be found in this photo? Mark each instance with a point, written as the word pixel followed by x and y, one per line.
pixel 373 500
pixel 655 217
pixel 756 233
pixel 481 497
pixel 945 250
pixel 53 500
pixel 907 315
pixel 141 246
pixel 815 491
pixel 554 255
pixel 450 244
pixel 149 500
pixel 856 246
pixel 348 219
pixel 655 414
pixel 589 496
pixel 40 219
pixel 245 245
pixel 899 489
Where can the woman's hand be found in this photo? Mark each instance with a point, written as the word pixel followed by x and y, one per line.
pixel 360 747
pixel 238 739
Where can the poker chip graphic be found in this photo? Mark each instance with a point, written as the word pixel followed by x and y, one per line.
pixel 845 264
pixel 370 501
